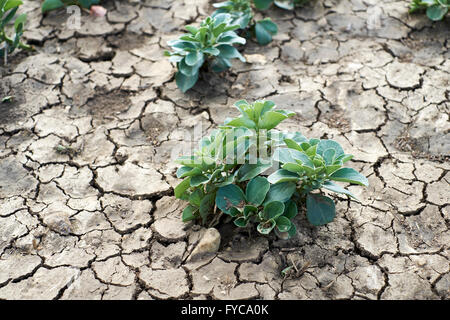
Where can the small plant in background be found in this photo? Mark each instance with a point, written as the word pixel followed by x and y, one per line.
pixel 8 10
pixel 226 173
pixel 435 9
pixel 210 45
pixel 49 5
pixel 242 14
pixel 284 4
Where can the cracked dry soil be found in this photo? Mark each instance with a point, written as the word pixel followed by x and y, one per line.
pixel 96 218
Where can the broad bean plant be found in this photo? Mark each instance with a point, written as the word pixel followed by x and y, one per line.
pixel 435 9
pixel 242 14
pixel 257 175
pixel 211 45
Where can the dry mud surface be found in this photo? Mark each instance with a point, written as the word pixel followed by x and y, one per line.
pixel 86 182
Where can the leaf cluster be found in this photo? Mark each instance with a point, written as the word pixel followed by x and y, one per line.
pixel 238 185
pixel 211 43
pixel 242 14
pixel 435 9
pixel 8 10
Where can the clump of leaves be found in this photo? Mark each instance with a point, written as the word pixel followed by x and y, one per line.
pixel 241 13
pixel 8 10
pixel 312 164
pixel 227 174
pixel 284 4
pixel 210 44
pixel 435 9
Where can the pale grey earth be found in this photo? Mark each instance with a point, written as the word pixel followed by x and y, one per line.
pixel 95 218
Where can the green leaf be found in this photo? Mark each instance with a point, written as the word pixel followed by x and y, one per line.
pixel 196 161
pixel 293 167
pixel 194 58
pixel 8 18
pixel 256 190
pixel 207 206
pixel 189 213
pixel 349 175
pixel 191 29
pixel 185 82
pixel 20 20
pixel 249 171
pixel 283 224
pixel 338 189
pixel 280 192
pixel 273 210
pixel 292 231
pixel 436 12
pixel 234 212
pixel 344 158
pixel 262 4
pixel 230 52
pixel 241 222
pixel 324 145
pixel 283 175
pixel 290 210
pixel 86 3
pixel 329 155
pixel 320 209
pixel 264 30
pixel 186 69
pixel 287 155
pixel 49 5
pixel 196 197
pixel 186 171
pixel 285 4
pixel 229 196
pixel 211 51
pixel 266 227
pixel 271 119
pixel 249 211
pixel 220 64
pixel 330 169
pixel 181 188
pixel 12 4
pixel 241 122
pixel 293 145
pixel 198 180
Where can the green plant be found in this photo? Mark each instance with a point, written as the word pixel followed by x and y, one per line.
pixel 312 164
pixel 49 5
pixel 6 99
pixel 284 4
pixel 210 44
pixel 435 9
pixel 226 173
pixel 241 13
pixel 8 10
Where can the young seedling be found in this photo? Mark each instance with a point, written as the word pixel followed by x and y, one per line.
pixel 435 9
pixel 227 173
pixel 241 13
pixel 284 4
pixel 210 44
pixel 8 10
pixel 7 99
